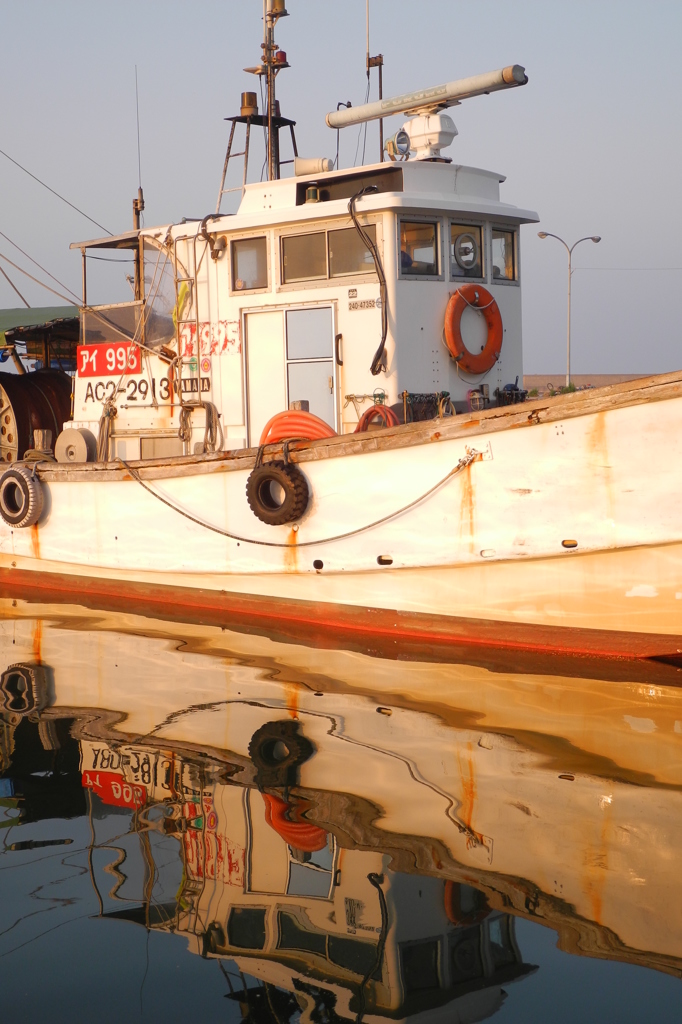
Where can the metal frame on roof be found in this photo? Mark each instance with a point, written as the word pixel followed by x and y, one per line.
pixel 128 240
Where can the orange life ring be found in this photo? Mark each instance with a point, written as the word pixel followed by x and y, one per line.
pixel 302 835
pixel 477 297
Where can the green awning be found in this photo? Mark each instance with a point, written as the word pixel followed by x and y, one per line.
pixel 36 316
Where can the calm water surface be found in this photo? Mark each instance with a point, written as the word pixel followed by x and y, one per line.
pixel 198 823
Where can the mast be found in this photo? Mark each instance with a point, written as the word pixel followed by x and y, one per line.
pixel 274 60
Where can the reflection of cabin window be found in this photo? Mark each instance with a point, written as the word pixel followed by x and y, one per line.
pixel 246 928
pixel 293 936
pixel 310 874
pixel 465 954
pixel 420 962
pixel 348 253
pixel 418 252
pixel 304 257
pixel 353 955
pixel 249 264
pixel 465 251
pixel 504 255
pixel 501 944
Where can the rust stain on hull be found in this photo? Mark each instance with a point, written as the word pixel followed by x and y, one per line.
pixel 35 541
pixel 466 772
pixel 37 641
pixel 467 509
pixel 598 448
pixel 292 691
pixel 291 552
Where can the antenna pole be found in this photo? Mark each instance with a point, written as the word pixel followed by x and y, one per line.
pixel 138 203
pixel 137 114
pixel 376 62
pixel 269 57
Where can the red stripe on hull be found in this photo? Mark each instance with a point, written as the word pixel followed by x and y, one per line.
pixel 493 644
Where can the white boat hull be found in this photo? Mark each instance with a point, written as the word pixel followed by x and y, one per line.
pixel 471 542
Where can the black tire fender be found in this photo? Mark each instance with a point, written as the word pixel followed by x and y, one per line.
pixel 21 497
pixel 263 503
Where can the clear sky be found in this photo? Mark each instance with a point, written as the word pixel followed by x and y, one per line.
pixel 592 142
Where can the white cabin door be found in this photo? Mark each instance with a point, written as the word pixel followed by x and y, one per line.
pixel 310 360
pixel 265 369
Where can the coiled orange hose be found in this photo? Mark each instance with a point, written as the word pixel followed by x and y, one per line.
pixel 292 423
pixel 387 415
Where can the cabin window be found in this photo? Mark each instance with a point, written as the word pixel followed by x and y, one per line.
pixel 160 297
pixel 504 255
pixel 304 257
pixel 466 251
pixel 310 360
pixel 348 254
pixel 249 264
pixel 418 249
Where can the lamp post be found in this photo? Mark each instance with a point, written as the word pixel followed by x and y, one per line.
pixel 569 250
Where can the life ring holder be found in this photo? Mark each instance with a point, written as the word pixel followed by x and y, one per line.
pixel 479 298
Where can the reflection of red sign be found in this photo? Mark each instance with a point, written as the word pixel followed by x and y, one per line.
pixel 113 789
pixel 208 853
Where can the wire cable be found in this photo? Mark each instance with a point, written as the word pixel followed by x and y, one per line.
pixel 35 178
pixel 36 264
pixel 462 464
pixel 14 288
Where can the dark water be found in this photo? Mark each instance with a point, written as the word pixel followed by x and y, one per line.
pixel 199 824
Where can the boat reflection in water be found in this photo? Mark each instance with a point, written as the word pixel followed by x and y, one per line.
pixel 348 836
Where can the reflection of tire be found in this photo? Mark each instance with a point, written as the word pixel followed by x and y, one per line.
pixel 22 689
pixel 277 493
pixel 21 497
pixel 213 939
pixel 277 749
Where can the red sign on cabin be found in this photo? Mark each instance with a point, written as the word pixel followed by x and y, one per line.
pixel 103 360
pixel 112 789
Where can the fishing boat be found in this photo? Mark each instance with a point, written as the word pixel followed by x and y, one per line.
pixel 310 412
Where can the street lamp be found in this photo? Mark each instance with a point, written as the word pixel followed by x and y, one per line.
pixel 569 250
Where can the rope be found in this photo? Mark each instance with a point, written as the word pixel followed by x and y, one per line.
pixel 462 464
pixel 185 428
pixel 213 433
pixel 474 305
pixel 109 411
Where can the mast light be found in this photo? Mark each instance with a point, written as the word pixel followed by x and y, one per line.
pixel 431 100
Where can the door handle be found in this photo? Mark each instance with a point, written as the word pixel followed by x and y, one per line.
pixel 337 342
